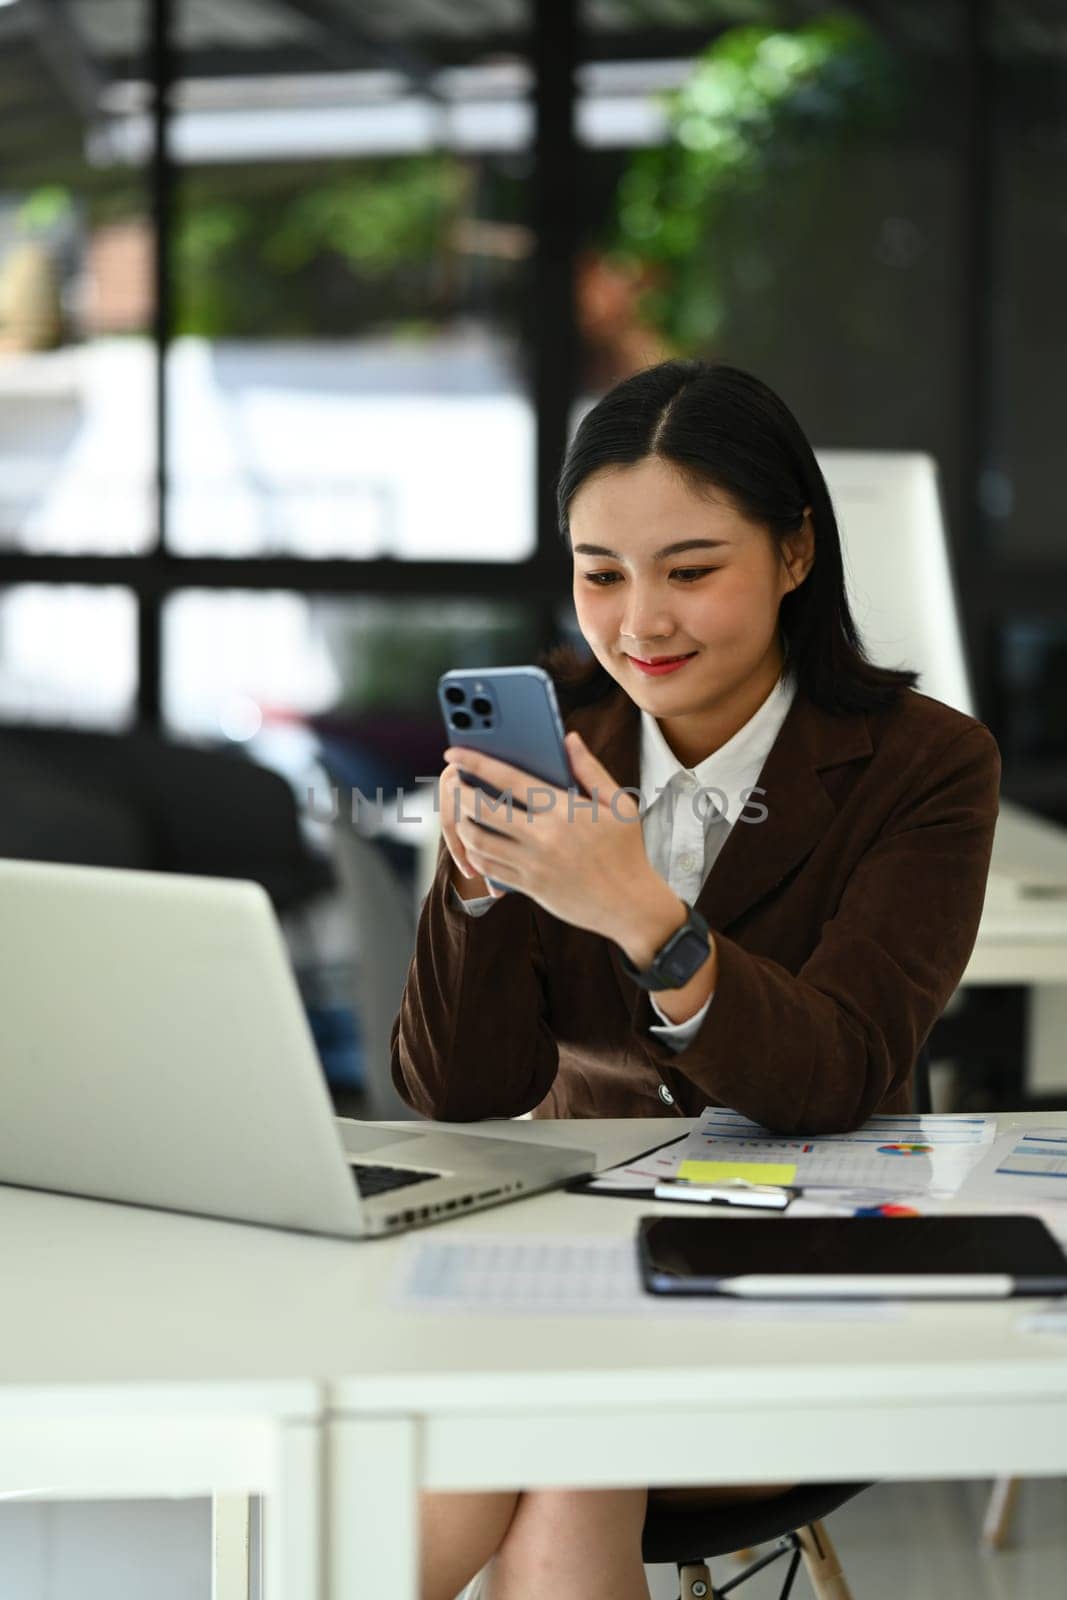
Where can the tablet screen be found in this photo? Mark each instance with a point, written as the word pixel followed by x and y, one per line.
pixel 695 1250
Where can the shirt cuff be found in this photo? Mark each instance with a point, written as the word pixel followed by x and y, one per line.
pixel 677 1036
pixel 473 908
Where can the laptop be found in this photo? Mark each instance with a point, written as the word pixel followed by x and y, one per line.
pixel 155 1050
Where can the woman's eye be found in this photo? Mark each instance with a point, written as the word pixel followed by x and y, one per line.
pixel 603 580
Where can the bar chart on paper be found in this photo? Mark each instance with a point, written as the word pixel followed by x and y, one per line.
pixel 920 1154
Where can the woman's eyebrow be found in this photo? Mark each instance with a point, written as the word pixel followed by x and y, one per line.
pixel 660 555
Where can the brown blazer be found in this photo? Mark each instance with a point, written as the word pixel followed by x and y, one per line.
pixel 843 923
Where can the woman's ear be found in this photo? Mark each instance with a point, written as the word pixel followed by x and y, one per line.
pixel 798 551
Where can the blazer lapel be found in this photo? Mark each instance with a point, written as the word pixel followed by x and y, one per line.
pixel 757 855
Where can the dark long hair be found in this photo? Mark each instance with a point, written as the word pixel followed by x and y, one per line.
pixel 723 427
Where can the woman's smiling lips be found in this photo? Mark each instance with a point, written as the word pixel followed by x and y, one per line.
pixel 660 664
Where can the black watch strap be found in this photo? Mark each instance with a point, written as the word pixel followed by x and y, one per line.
pixel 677 959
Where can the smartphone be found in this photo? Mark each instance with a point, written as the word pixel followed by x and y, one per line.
pixel 512 714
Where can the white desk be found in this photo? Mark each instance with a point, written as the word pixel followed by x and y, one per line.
pixel 131 1365
pixel 449 1401
pixel 146 1353
pixel 1023 940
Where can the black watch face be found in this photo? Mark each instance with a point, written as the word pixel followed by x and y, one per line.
pixel 687 957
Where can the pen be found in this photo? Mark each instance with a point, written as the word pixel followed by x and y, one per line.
pixel 732 1192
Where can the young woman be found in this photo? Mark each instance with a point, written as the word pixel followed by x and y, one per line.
pixel 769 904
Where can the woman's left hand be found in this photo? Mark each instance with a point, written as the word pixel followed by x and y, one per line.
pixel 582 859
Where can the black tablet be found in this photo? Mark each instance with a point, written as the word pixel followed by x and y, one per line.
pixel 851 1258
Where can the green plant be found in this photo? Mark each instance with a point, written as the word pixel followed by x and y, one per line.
pixel 313 251
pixel 393 660
pixel 759 104
pixel 45 209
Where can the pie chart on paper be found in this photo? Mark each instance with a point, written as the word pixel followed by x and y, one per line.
pixel 905 1149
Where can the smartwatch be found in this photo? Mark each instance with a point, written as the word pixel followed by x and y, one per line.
pixel 676 961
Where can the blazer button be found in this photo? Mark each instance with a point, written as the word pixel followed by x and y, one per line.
pixel 665 1095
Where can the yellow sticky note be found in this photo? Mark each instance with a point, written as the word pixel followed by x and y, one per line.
pixel 723 1171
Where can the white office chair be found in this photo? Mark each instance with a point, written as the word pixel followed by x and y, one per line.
pixel 383 915
pixel 897 566
pixel 903 597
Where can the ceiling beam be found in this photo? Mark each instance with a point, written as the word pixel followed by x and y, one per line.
pixel 336 24
pixel 63 49
pixel 353 53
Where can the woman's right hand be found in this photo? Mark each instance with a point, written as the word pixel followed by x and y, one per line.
pixel 469 884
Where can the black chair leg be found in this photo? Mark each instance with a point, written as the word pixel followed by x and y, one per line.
pixel 789 1545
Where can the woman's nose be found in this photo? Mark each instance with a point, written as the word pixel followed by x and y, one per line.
pixel 645 617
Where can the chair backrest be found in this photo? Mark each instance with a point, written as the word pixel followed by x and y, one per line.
pixel 903 597
pixel 897 566
pixel 382 914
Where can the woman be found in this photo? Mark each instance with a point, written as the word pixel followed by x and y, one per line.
pixel 819 830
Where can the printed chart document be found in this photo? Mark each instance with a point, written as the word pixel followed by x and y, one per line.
pixel 552 1276
pixel 888 1156
pixel 1026 1165
pixel 902 1155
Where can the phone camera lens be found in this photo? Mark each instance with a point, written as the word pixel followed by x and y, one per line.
pixel 454 695
pixel 460 719
pixel 481 706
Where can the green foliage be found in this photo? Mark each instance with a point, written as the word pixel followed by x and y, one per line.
pixel 305 252
pixel 759 104
pixel 393 659
pixel 377 220
pixel 45 209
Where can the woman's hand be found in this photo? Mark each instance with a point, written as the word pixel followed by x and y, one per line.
pixel 582 859
pixel 469 885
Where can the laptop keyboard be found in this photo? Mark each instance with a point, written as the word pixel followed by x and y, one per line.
pixel 378 1180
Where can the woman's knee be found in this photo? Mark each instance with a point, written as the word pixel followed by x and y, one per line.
pixel 558 1527
pixel 458 1534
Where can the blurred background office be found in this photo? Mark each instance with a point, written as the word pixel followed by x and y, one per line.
pixel 300 300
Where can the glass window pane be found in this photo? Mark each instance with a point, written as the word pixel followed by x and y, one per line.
pixel 1034 688
pixel 68 654
pixel 783 193
pixel 1021 484
pixel 351 262
pixel 76 295
pixel 254 666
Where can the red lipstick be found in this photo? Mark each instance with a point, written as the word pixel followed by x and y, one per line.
pixel 659 665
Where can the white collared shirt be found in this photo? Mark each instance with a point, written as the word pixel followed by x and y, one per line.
pixel 687 814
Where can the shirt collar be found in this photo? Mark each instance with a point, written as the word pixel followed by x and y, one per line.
pixel 736 764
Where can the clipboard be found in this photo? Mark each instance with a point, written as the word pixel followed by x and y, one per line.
pixel 587 1183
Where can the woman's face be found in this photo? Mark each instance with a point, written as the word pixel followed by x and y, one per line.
pixel 661 570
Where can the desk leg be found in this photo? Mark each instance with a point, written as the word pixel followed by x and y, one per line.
pixel 373 1509
pixel 230 1547
pixel 293 1517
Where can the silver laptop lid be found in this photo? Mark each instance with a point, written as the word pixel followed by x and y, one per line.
pixel 154 1049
